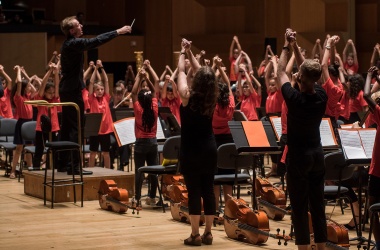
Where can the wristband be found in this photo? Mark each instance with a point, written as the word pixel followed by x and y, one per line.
pixel 182 53
pixel 328 47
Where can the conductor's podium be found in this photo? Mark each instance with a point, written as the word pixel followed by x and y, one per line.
pixel 33 184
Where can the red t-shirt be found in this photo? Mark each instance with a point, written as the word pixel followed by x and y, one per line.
pixel 44 111
pixel 357 104
pixel 5 102
pixel 222 116
pixel 334 93
pixel 85 99
pixel 139 129
pixel 274 102
pixel 248 106
pixel 101 105
pixel 24 111
pixel 353 68
pixel 284 118
pixel 344 106
pixel 369 121
pixel 375 162
pixel 174 107
pixel 233 76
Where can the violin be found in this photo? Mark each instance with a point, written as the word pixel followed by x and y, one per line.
pixel 243 223
pixel 115 199
pixel 272 199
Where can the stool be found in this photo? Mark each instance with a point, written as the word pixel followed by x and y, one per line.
pixel 52 149
pixel 374 209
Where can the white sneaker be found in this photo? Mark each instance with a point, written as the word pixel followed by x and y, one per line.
pixel 150 201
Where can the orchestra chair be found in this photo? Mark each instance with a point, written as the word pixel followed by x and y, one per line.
pixel 53 148
pixel 92 123
pixel 28 133
pixel 7 131
pixel 170 152
pixel 337 170
pixel 374 211
pixel 229 158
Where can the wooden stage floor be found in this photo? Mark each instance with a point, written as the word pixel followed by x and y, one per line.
pixel 27 224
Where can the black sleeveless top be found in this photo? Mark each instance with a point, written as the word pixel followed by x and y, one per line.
pixel 198 148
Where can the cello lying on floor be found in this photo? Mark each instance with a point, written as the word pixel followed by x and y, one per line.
pixel 115 199
pixel 243 223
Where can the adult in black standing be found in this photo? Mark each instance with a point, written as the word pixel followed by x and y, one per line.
pixel 71 85
pixel 198 155
pixel 306 167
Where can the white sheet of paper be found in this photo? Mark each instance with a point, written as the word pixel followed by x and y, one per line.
pixel 327 136
pixel 276 121
pixel 125 130
pixel 354 152
pixel 367 137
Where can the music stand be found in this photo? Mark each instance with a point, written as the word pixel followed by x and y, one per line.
pixel 254 137
pixel 169 123
pixel 357 145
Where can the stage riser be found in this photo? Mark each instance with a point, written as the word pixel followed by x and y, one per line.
pixel 33 184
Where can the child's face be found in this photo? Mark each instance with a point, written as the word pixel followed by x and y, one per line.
pixel 170 95
pixel 144 85
pixel 49 93
pixel 99 91
pixel 272 85
pixel 350 60
pixel 246 91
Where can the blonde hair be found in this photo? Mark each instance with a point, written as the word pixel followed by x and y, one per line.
pixel 67 25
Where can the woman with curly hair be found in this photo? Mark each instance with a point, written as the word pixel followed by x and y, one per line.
pixel 198 155
pixel 353 100
pixel 146 112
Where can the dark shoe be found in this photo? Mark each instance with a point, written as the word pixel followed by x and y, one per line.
pixel 61 170
pixel 207 238
pixel 195 240
pixel 33 169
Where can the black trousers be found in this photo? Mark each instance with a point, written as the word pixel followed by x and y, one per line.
pixel 305 182
pixel 39 146
pixel 69 126
pixel 201 186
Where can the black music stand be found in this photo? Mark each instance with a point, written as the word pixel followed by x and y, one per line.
pixel 357 162
pixel 169 123
pixel 242 137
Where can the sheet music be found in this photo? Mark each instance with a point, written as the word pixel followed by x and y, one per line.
pixel 351 144
pixel 354 152
pixel 276 123
pixel 367 137
pixel 125 131
pixel 327 135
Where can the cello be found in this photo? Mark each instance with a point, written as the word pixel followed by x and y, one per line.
pixel 272 199
pixel 243 223
pixel 115 199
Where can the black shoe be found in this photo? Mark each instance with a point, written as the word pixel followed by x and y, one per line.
pixel 61 170
pixel 76 172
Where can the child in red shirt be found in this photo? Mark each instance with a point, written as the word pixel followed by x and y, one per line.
pixel 20 93
pixel 99 98
pixel 170 97
pixel 5 101
pixel 248 95
pixel 49 91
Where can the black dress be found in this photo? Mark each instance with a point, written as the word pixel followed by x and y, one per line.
pixel 198 146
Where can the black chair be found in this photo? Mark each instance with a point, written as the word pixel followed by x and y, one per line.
pixel 170 151
pixel 7 131
pixel 337 170
pixel 53 148
pixel 28 133
pixel 229 158
pixel 374 210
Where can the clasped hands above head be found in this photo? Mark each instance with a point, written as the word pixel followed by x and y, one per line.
pixel 186 44
pixel 290 35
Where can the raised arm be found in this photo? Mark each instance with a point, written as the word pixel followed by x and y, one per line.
pixel 183 88
pixel 354 53
pixel 193 61
pixel 235 41
pixel 92 80
pixel 6 77
pixel 289 65
pixel 344 54
pixel 56 80
pixel 249 62
pixel 88 72
pixel 268 72
pixel 164 87
pixel 23 71
pixel 104 77
pixel 329 44
pixel 257 83
pixel 281 67
pixel 151 71
pixel 375 54
pixel 136 84
pixel 18 80
pixel 367 89
pixel 41 91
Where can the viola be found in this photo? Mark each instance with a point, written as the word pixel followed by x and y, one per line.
pixel 271 198
pixel 168 180
pixel 115 199
pixel 243 223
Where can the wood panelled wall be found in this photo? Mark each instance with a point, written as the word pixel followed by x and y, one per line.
pixel 211 24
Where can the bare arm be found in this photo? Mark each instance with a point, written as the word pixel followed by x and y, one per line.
pixel 56 80
pixel 17 68
pixel 354 53
pixel 248 61
pixel 6 77
pixel 136 84
pixel 183 88
pixel 104 77
pixel 92 81
pixel 257 83
pixel 268 72
pixel 87 73
pixel 344 54
pixel 281 67
pixel 289 65
pixel 164 88
pixel 45 80
pixel 367 89
pixel 375 54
